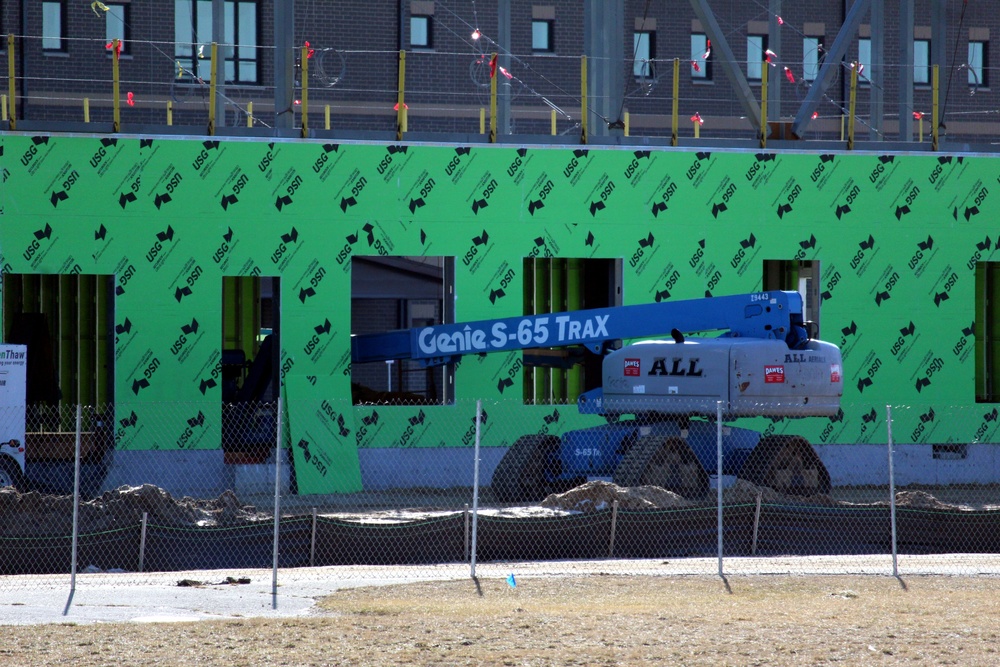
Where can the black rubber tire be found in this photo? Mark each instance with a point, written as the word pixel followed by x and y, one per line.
pixel 521 474
pixel 788 464
pixel 664 461
pixel 10 474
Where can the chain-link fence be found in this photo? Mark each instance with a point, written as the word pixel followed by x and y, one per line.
pixel 114 493
pixel 340 87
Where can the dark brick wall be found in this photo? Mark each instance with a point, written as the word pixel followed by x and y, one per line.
pixel 355 65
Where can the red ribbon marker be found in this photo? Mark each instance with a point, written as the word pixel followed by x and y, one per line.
pixel 696 118
pixel 129 99
pixel 789 75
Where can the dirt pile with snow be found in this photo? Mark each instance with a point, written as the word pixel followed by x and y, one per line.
pixel 34 514
pixel 599 495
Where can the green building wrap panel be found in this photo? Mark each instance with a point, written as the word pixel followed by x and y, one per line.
pixel 897 238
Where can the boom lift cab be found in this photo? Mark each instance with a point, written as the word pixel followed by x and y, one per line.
pixel 659 397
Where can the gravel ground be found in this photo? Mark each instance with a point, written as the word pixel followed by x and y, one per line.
pixel 571 620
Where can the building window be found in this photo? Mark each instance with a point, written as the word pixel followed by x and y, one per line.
pixel 53 26
pixel 977 64
pixel 117 25
pixel 420 32
pixel 756 46
pixel 542 36
pixel 864 59
pixel 643 48
pixel 812 57
pixel 701 58
pixel 193 40
pixel 921 62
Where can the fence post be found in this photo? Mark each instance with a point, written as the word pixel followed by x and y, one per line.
pixel 718 473
pixel 465 514
pixel 756 524
pixel 614 524
pixel 142 541
pixel 76 500
pixel 892 493
pixel 277 510
pixel 475 488
pixel 312 541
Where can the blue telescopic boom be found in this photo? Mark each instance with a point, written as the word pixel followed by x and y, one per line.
pixel 765 315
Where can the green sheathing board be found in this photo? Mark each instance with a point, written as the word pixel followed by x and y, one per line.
pixel 897 237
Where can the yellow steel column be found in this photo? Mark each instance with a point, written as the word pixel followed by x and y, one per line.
pixel 763 103
pixel 304 58
pixel 851 107
pixel 211 89
pixel 116 80
pixel 11 89
pixel 583 99
pixel 493 99
pixel 676 102
pixel 935 117
pixel 400 103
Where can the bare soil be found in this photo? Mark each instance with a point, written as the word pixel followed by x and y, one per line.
pixel 595 620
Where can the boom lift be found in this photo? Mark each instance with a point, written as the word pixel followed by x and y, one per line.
pixel 659 397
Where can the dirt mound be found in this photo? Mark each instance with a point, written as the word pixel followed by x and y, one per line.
pixel 597 495
pixel 923 500
pixel 34 514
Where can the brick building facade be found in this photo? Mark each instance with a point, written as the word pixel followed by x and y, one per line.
pixel 62 58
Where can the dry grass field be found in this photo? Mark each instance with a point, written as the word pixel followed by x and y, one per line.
pixel 592 620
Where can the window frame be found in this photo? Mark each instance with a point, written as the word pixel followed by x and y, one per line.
pixel 812 45
pixel 925 78
pixel 62 27
pixel 978 76
pixel 201 67
pixel 705 73
pixel 428 20
pixel 863 78
pixel 550 32
pixel 642 67
pixel 751 65
pixel 126 29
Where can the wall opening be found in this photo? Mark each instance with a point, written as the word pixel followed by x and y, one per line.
pixel 551 284
pixel 68 323
pixel 393 293
pixel 987 332
pixel 797 275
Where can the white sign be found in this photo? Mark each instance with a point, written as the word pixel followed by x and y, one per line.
pixel 13 381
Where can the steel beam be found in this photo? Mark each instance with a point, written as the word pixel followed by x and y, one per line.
pixel 830 67
pixel 727 61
